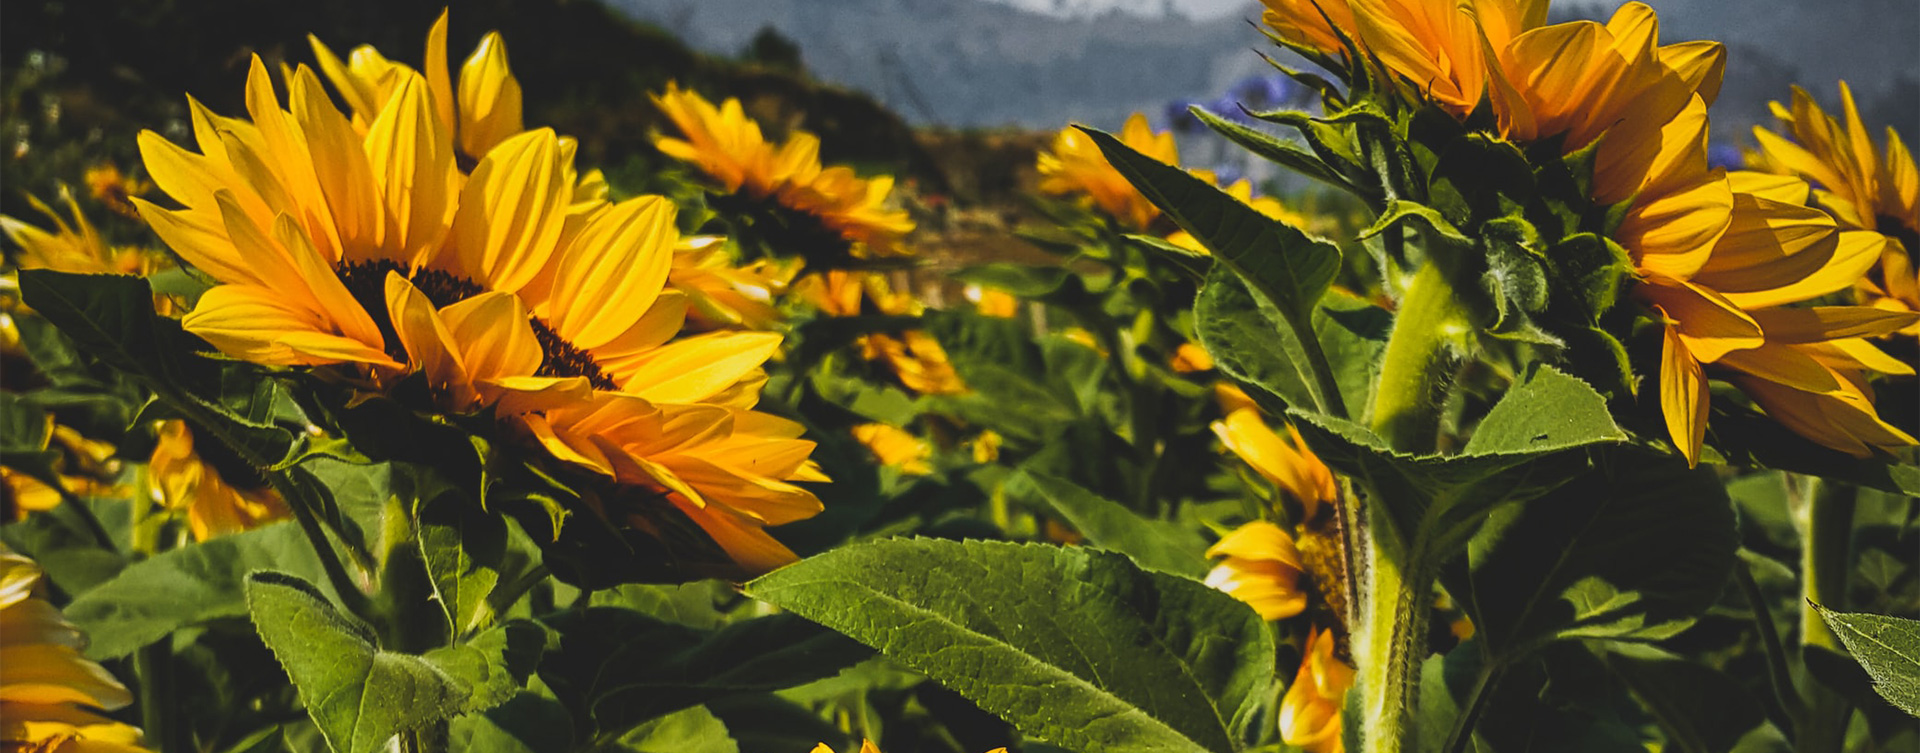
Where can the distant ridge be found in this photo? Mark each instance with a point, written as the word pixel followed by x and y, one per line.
pixel 981 63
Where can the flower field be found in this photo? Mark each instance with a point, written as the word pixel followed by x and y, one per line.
pixel 1472 393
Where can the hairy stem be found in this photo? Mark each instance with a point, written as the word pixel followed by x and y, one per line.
pixel 1390 639
pixel 1411 390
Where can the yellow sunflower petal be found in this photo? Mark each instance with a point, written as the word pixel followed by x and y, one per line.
pixel 489 97
pixel 511 212
pixel 494 338
pixel 698 367
pixel 415 174
pixel 1855 252
pixel 618 261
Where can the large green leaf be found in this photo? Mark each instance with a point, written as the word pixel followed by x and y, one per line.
pixel 1635 549
pixel 361 696
pixel 1887 647
pixel 1155 544
pixel 1076 647
pixel 184 587
pixel 619 667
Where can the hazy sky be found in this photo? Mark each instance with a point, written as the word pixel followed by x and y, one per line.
pixel 1190 8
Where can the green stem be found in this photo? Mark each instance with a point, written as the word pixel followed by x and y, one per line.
pixel 1391 637
pixel 343 584
pixel 1476 705
pixel 154 666
pixel 1411 391
pixel 1826 560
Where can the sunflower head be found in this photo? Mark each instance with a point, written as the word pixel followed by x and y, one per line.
pixel 1076 167
pixel 807 198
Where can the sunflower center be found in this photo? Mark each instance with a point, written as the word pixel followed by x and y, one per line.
pixel 366 281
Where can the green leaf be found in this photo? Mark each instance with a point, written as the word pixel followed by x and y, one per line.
pixel 1280 264
pixel 621 667
pixel 1077 647
pixel 1249 341
pixel 1154 544
pixel 495 664
pixel 527 723
pixel 1887 647
pixel 184 587
pixel 1548 411
pixel 358 695
pixel 1633 550
pixel 463 547
pixel 1274 149
pixel 1287 266
pixel 693 730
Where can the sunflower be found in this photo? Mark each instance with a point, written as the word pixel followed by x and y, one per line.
pixel 728 146
pixel 722 295
pixel 51 696
pixel 915 356
pixel 895 448
pixel 83 467
pixel 1715 254
pixel 1076 166
pixel 1310 711
pixel 326 254
pixel 992 301
pixel 74 245
pixel 1262 568
pixel 365 245
pixel 181 479
pixel 1864 188
pixel 1288 463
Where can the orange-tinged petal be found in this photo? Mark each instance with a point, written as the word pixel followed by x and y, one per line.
pixel 1818 323
pixel 430 345
pixel 1683 397
pixel 1701 64
pixel 1674 233
pixel 439 83
pixel 1854 253
pixel 343 176
pixel 256 324
pixel 1709 324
